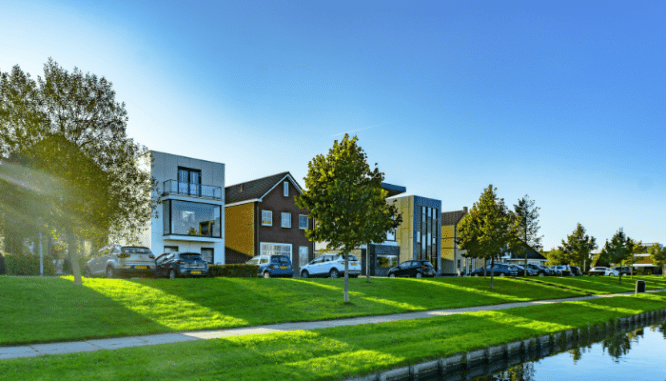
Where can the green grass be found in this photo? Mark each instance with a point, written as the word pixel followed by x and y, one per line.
pixel 326 354
pixel 37 309
pixel 601 284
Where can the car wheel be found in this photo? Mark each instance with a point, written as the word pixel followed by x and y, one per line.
pixel 391 275
pixel 305 274
pixel 334 273
pixel 267 275
pixel 110 273
pixel 172 274
pixel 418 276
pixel 611 274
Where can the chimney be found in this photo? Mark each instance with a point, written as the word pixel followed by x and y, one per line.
pixel 464 210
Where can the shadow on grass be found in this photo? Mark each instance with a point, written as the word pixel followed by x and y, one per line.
pixel 48 309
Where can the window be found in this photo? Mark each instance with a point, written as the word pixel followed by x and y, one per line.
pixel 192 218
pixel 387 260
pixel 189 181
pixel 266 218
pixel 302 222
pixel 303 255
pixel 418 237
pixel 423 213
pixel 286 220
pixel 390 235
pixel 285 188
pixel 208 254
pixel 276 249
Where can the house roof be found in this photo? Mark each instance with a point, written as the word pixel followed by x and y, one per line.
pixel 256 189
pixel 531 254
pixel 393 190
pixel 452 218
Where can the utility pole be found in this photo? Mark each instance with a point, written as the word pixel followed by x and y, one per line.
pixel 41 256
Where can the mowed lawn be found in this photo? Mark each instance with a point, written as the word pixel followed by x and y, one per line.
pixel 35 309
pixel 329 354
pixel 601 284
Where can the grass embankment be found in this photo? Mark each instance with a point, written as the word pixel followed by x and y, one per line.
pixel 326 354
pixel 37 309
pixel 600 284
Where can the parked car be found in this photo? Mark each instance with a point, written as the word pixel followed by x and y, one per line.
pixel 272 266
pixel 331 265
pixel 539 270
pixel 181 264
pixel 500 269
pixel 416 269
pixel 117 261
pixel 624 270
pixel 600 270
pixel 521 271
pixel 575 271
pixel 561 270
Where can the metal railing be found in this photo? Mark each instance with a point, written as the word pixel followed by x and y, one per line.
pixel 190 189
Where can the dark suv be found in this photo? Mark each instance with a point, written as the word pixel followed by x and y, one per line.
pixel 416 269
pixel 499 270
pixel 175 265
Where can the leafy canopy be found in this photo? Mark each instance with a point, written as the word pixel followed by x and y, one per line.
pixel 578 247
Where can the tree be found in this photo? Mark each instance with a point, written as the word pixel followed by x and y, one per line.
pixel 555 257
pixel 528 225
pixel 488 229
pixel 604 258
pixel 638 248
pixel 658 257
pixel 577 247
pixel 346 199
pixel 74 115
pixel 620 248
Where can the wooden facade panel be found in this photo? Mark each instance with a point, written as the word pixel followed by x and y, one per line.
pixel 239 228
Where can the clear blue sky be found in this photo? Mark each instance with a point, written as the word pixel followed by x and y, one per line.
pixel 563 101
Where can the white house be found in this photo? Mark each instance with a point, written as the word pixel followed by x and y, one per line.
pixel 191 217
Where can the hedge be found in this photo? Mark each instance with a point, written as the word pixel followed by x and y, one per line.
pixel 27 264
pixel 233 271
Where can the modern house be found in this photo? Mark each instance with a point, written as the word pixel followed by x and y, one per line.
pixel 263 218
pixel 416 238
pixel 643 263
pixel 191 218
pixel 454 260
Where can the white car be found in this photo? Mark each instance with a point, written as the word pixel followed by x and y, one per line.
pixel 331 265
pixel 603 271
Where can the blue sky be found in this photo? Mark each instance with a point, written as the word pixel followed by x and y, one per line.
pixel 563 101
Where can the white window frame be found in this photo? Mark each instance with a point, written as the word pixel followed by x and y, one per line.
pixel 291 251
pixel 287 220
pixel 307 220
pixel 307 255
pixel 264 215
pixel 285 189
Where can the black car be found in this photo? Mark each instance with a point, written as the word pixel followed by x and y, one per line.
pixel 174 265
pixel 624 270
pixel 575 271
pixel 416 269
pixel 539 270
pixel 499 270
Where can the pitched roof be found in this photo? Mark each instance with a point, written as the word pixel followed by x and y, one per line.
pixel 254 189
pixel 531 254
pixel 452 218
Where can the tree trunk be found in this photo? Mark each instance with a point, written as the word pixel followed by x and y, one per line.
pixel 492 271
pixel 525 263
pixel 346 258
pixel 484 269
pixel 367 263
pixel 73 257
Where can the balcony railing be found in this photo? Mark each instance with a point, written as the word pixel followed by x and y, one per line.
pixel 190 189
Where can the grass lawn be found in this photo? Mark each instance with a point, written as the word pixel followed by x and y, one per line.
pixel 601 284
pixel 326 354
pixel 35 309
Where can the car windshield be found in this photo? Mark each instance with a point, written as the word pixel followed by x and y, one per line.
pixel 284 259
pixel 191 256
pixel 253 261
pixel 263 260
pixel 136 250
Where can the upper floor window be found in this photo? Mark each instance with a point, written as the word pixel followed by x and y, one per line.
pixel 285 188
pixel 266 218
pixel 189 181
pixel 286 220
pixel 302 221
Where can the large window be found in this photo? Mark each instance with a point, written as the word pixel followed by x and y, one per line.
pixel 189 181
pixel 276 248
pixel 387 260
pixel 192 218
pixel 286 220
pixel 302 221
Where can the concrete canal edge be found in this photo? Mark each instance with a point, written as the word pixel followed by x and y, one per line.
pixel 540 345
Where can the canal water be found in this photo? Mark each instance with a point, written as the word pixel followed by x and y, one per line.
pixel 637 353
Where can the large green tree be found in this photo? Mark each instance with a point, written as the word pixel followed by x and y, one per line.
pixel 346 199
pixel 489 229
pixel 68 128
pixel 578 247
pixel 527 214
pixel 658 257
pixel 620 249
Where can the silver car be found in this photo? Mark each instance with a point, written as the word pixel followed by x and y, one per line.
pixel 117 260
pixel 331 265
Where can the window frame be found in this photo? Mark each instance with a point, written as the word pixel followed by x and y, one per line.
pixel 263 222
pixel 170 217
pixel 285 189
pixel 282 220
pixel 307 221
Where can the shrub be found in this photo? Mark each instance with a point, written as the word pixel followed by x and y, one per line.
pixel 2 264
pixel 27 264
pixel 233 271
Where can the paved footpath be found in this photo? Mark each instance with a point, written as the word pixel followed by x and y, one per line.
pixel 165 338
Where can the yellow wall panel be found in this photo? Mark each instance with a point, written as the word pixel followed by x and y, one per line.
pixel 239 228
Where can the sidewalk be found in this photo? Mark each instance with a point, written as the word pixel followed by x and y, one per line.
pixel 165 338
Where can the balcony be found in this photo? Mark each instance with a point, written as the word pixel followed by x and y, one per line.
pixel 194 190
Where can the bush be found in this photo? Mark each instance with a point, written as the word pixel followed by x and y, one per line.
pixel 27 264
pixel 2 264
pixel 233 271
